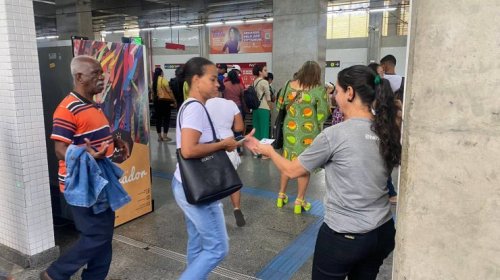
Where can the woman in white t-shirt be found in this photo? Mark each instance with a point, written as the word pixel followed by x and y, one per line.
pixel 207 235
pixel 227 119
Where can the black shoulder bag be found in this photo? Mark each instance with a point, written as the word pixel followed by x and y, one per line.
pixel 210 178
pixel 280 119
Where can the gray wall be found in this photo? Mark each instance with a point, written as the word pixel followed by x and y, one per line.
pixel 448 217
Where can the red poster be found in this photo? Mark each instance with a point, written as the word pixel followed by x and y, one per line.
pixel 250 38
pixel 247 76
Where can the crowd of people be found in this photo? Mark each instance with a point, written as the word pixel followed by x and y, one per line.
pixel 357 153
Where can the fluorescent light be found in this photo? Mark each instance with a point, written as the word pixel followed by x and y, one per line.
pixel 379 10
pixel 179 26
pixel 118 31
pixel 254 20
pixel 106 32
pixel 269 19
pixel 234 22
pixel 46 2
pixel 196 25
pixel 162 27
pixel 214 23
pixel 232 3
pixel 133 30
pixel 347 12
pixel 148 29
pixel 48 37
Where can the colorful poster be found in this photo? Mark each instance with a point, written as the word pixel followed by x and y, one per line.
pixel 125 103
pixel 247 76
pixel 250 38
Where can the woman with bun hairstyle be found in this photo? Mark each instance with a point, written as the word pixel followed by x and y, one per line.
pixel 358 155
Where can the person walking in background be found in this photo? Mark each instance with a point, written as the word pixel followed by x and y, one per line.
pixel 80 131
pixel 207 235
pixel 377 68
pixel 176 84
pixel 269 79
pixel 388 63
pixel 227 120
pixel 307 107
pixel 261 116
pixel 358 155
pixel 233 90
pixel 164 101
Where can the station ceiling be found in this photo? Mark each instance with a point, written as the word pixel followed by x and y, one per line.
pixel 127 14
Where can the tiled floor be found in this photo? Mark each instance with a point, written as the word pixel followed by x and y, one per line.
pixel 274 244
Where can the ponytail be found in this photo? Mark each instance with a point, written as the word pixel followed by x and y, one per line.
pixel 385 124
pixel 376 93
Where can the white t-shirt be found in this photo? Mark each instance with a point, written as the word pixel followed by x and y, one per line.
pixel 194 117
pixel 222 113
pixel 394 80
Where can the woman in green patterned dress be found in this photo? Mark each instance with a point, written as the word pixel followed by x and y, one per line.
pixel 307 108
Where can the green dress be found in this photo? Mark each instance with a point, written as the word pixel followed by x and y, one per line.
pixel 304 119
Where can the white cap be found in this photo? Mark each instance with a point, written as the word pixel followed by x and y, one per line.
pixel 236 67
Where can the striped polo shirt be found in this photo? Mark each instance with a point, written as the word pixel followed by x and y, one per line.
pixel 75 119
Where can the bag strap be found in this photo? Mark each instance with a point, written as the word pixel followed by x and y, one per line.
pixel 208 115
pixel 282 92
pixel 256 89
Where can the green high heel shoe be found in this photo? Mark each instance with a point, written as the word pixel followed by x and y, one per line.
pixel 301 205
pixel 282 200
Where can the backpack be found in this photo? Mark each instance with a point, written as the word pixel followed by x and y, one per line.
pixel 250 97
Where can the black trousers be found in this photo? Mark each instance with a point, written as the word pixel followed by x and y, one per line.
pixel 163 109
pixel 93 248
pixel 357 256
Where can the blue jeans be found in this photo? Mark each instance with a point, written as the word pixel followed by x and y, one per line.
pixel 93 248
pixel 208 242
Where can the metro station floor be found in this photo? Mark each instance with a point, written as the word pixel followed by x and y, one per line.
pixel 274 243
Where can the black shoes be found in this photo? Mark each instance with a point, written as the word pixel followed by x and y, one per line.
pixel 238 215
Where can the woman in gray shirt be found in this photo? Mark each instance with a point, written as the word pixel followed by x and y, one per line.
pixel 358 155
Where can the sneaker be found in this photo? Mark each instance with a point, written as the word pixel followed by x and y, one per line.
pixel 240 220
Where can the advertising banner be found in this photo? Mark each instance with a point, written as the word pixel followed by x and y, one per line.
pixel 125 103
pixel 249 38
pixel 246 76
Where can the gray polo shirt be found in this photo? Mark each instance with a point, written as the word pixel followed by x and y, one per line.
pixel 356 193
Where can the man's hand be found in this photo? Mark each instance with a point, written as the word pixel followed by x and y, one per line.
pixel 99 154
pixel 122 147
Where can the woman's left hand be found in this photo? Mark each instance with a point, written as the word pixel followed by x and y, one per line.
pixel 229 144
